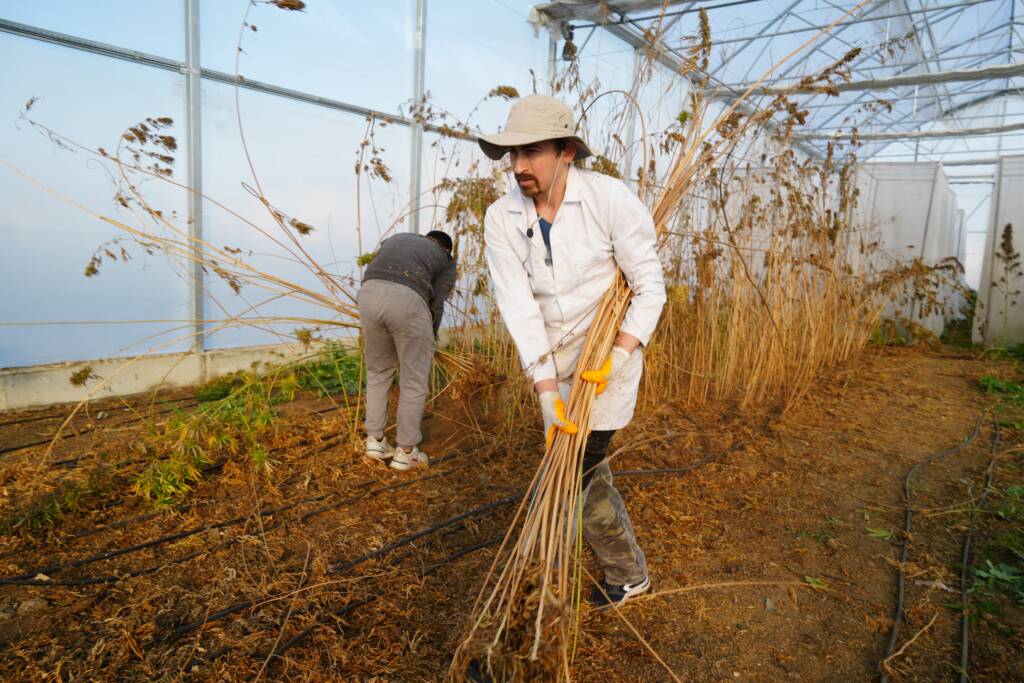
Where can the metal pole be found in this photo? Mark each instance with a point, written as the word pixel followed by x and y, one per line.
pixel 552 60
pixel 193 122
pixel 416 153
pixel 631 120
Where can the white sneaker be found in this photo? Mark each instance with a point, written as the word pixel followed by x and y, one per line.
pixel 379 450
pixel 405 460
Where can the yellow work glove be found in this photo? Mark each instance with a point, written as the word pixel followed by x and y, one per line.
pixel 552 409
pixel 616 359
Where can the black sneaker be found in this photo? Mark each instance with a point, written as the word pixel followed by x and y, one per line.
pixel 618 595
pixel 477 674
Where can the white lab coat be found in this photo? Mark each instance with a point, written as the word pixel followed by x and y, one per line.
pixel 549 309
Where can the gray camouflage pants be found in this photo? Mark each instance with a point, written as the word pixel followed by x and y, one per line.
pixel 397 331
pixel 606 525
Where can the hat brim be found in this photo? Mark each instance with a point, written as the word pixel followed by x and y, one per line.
pixel 497 146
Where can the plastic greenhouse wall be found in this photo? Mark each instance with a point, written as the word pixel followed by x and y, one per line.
pixel 916 216
pixel 304 153
pixel 999 315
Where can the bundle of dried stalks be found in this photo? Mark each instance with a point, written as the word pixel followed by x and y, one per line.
pixel 523 629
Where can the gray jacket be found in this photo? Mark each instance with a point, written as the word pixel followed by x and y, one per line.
pixel 419 263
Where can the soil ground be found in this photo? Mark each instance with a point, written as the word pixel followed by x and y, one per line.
pixel 774 558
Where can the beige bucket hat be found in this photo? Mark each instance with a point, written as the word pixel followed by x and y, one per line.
pixel 533 119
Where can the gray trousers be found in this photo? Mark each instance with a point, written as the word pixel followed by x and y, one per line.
pixel 606 524
pixel 397 331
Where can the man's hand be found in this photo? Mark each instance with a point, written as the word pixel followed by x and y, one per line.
pixel 552 408
pixel 616 359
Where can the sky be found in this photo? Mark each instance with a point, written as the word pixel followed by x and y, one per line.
pixel 303 154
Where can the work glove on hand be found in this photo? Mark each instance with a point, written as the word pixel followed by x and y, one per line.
pixel 616 359
pixel 552 408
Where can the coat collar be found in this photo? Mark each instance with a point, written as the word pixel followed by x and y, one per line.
pixel 573 193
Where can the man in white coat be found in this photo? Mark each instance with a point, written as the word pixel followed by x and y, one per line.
pixel 553 246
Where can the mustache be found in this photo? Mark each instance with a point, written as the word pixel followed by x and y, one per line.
pixel 524 176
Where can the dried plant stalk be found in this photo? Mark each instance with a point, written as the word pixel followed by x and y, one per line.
pixel 523 628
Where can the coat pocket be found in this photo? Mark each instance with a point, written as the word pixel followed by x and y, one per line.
pixel 591 263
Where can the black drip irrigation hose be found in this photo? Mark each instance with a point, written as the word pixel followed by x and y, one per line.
pixel 426 571
pixel 709 454
pixel 342 569
pixel 367 494
pixel 319 448
pixel 897 614
pixel 89 430
pixel 29 578
pixel 121 523
pixel 97 580
pixel 320 621
pixel 706 460
pixel 411 538
pixel 36 418
pixel 965 558
pixel 324 619
pixel 136 519
pixel 142 517
pixel 39 418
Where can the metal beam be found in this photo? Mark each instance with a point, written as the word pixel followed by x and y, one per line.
pixel 764 48
pixel 954 10
pixel 958 118
pixel 906 67
pixel 920 134
pixel 416 148
pixel 972 162
pixel 945 113
pixel 991 94
pixel 860 98
pixel 832 35
pixel 672 60
pixel 667 56
pixel 661 14
pixel 937 8
pixel 925 64
pixel 835 35
pixel 989 152
pixel 973 89
pixel 194 151
pixel 106 50
pixel 1013 28
pixel 889 67
pixel 779 18
pixel 984 73
pixel 910 30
